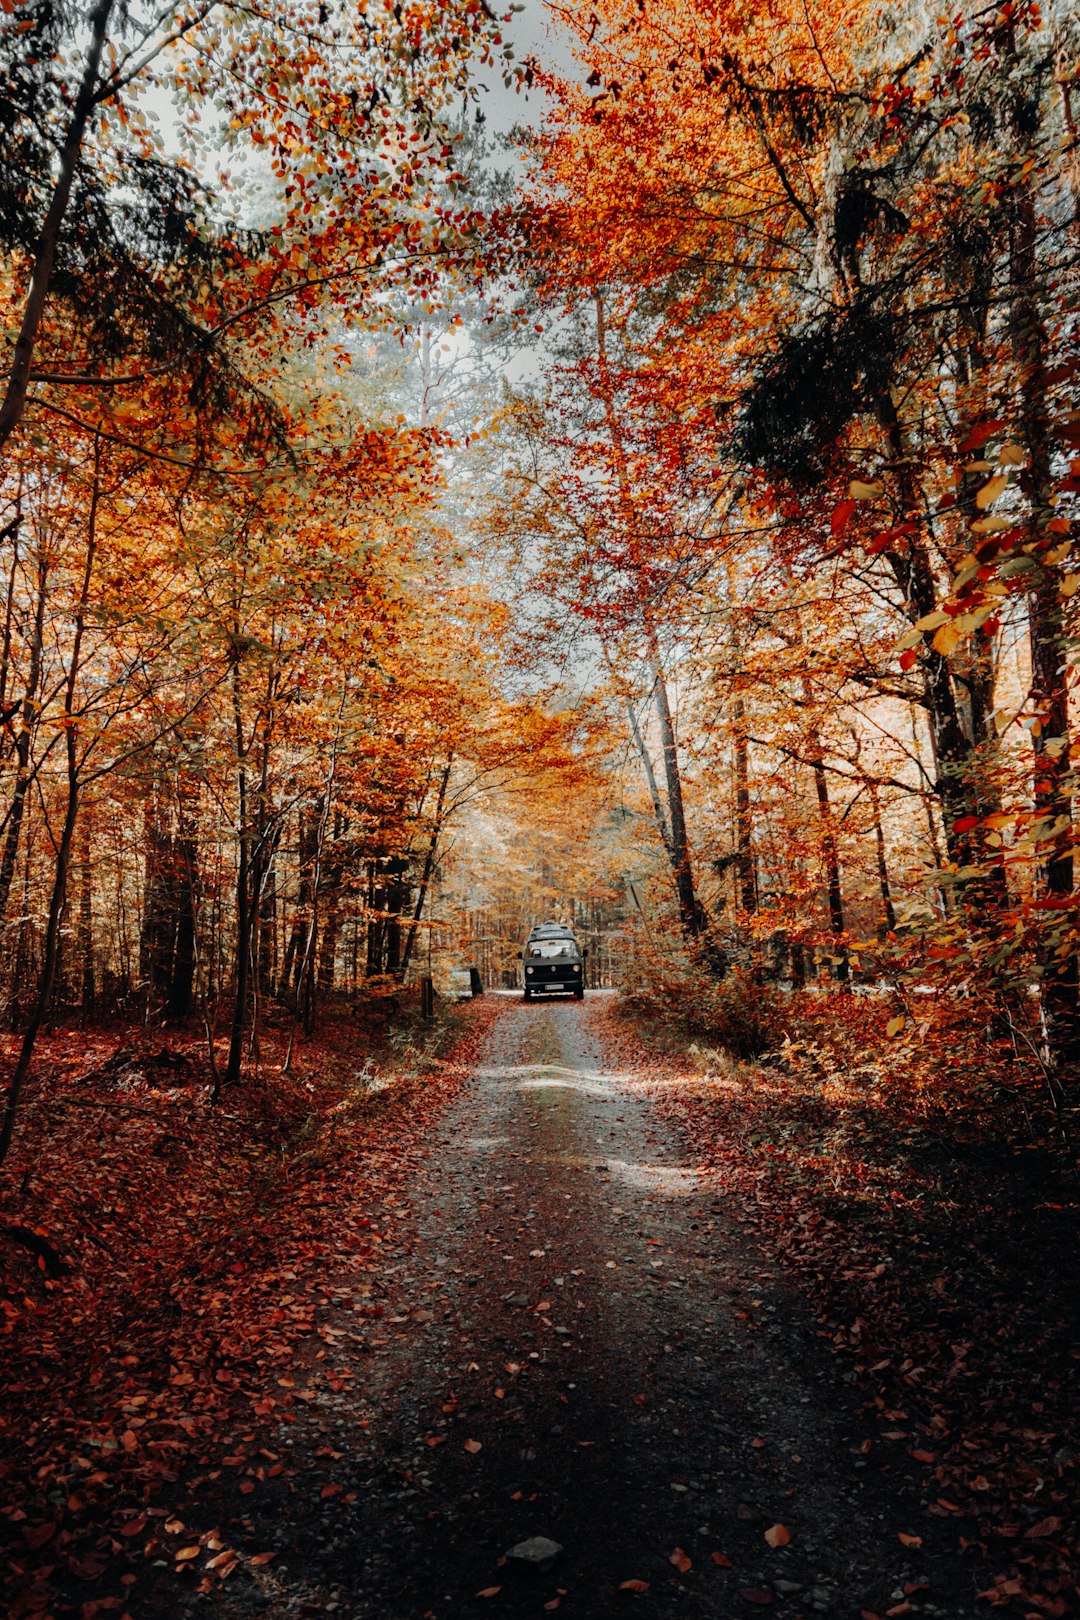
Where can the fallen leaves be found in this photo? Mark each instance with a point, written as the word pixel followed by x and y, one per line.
pixel 778 1535
pixel 680 1560
pixel 473 1446
pixel 633 1586
pixel 239 1290
pixel 37 1535
pixel 1045 1527
pixel 798 1156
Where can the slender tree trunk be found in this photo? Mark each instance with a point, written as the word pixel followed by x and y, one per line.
pixel 307 967
pixel 913 573
pixel 14 401
pixel 746 865
pixel 691 912
pixel 645 756
pixel 429 864
pixel 57 898
pixel 1049 645
pixel 181 989
pixel 10 531
pixel 87 990
pixel 243 892
pixel 396 901
pixel 650 777
pixel 831 856
pixel 24 741
pixel 374 928
pixel 882 864
pixel 307 851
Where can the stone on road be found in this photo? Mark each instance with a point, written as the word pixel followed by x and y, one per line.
pixel 539 1553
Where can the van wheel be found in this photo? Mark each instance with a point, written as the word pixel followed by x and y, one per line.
pixel 579 993
pixel 528 993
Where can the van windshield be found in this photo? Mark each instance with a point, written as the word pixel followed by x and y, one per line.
pixel 549 948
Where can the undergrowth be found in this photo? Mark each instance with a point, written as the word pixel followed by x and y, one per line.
pixel 904 1165
pixel 150 1242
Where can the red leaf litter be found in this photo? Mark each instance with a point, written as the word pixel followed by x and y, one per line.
pixel 184 1252
pixel 960 1324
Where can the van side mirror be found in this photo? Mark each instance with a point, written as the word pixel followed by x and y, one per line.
pixel 520 956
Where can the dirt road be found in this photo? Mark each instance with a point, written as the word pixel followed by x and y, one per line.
pixel 579 1343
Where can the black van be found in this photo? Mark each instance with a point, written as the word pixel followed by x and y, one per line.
pixel 553 962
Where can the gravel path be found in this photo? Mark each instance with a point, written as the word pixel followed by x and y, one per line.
pixel 580 1343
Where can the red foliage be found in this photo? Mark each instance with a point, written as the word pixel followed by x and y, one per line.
pixel 198 1247
pixel 939 1256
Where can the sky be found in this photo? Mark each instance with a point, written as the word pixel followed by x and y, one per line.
pixel 532 32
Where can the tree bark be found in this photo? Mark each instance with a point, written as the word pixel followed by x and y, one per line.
pixel 746 866
pixel 243 892
pixel 24 741
pixel 87 990
pixel 915 577
pixel 831 856
pixel 882 864
pixel 429 865
pixel 1049 647
pixel 14 401
pixel 57 898
pixel 691 912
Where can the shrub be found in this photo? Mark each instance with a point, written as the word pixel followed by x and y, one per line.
pixel 737 1012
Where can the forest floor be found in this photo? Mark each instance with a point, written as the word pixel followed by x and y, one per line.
pixel 543 1291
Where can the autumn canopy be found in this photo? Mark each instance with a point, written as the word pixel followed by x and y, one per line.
pixel 657 514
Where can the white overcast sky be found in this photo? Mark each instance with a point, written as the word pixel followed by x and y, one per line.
pixel 532 32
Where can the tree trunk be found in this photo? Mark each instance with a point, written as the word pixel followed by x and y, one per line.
pixel 157 930
pixel 1049 644
pixel 23 742
pixel 57 898
pixel 882 864
pixel 87 989
pixel 914 575
pixel 831 857
pixel 14 401
pixel 746 866
pixel 243 892
pixel 691 912
pixel 429 864
pixel 397 900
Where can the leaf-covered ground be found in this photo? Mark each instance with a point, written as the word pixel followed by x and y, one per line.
pixel 742 1338
pixel 939 1252
pixel 192 1249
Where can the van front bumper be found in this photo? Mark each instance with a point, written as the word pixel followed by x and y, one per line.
pixel 552 986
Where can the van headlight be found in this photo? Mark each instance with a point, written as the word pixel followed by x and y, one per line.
pixel 528 970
